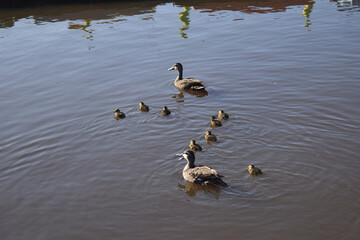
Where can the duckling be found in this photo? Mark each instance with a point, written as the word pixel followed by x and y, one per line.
pixel 143 107
pixel 199 174
pixel 118 114
pixel 254 170
pixel 186 83
pixel 222 115
pixel 165 111
pixel 210 137
pixel 215 122
pixel 194 146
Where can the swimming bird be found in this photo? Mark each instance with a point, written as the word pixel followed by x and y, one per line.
pixel 194 146
pixel 199 174
pixel 186 83
pixel 210 137
pixel 165 111
pixel 215 122
pixel 222 115
pixel 254 170
pixel 143 107
pixel 118 114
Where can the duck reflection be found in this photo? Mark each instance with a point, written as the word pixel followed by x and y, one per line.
pixel 306 12
pixel 192 188
pixel 184 18
pixel 197 93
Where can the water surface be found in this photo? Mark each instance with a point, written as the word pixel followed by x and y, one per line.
pixel 286 72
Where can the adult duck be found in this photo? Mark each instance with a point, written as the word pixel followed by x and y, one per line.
pixel 199 174
pixel 186 83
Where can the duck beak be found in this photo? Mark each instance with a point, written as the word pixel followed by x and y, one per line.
pixel 180 155
pixel 172 68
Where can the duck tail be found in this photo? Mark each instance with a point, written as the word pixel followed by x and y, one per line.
pixel 198 88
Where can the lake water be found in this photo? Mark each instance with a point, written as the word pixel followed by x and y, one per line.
pixel 287 72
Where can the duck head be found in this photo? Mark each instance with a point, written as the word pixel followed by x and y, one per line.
pixel 176 66
pixel 190 157
pixel 117 110
pixel 251 167
pixel 208 132
pixel 213 118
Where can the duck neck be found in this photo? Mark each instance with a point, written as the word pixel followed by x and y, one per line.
pixel 190 164
pixel 180 74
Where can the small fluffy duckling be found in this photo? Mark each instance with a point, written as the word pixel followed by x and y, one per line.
pixel 143 107
pixel 210 137
pixel 194 146
pixel 118 114
pixel 215 122
pixel 165 111
pixel 200 174
pixel 254 170
pixel 222 115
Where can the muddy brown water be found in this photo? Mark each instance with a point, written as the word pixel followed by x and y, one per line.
pixel 287 72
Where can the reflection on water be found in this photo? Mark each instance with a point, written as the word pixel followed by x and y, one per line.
pixel 347 5
pixel 248 6
pixel 184 18
pixel 84 28
pixel 65 148
pixel 192 189
pixel 113 11
pixel 197 93
pixel 306 12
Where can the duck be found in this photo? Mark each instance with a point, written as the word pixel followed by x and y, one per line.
pixel 254 170
pixel 215 122
pixel 165 111
pixel 194 146
pixel 200 174
pixel 118 114
pixel 210 137
pixel 143 107
pixel 186 83
pixel 222 115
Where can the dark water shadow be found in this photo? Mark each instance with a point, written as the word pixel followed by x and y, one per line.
pixel 66 10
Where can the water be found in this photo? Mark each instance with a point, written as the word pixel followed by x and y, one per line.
pixel 286 72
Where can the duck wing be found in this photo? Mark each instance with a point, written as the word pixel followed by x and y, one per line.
pixel 192 83
pixel 203 172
